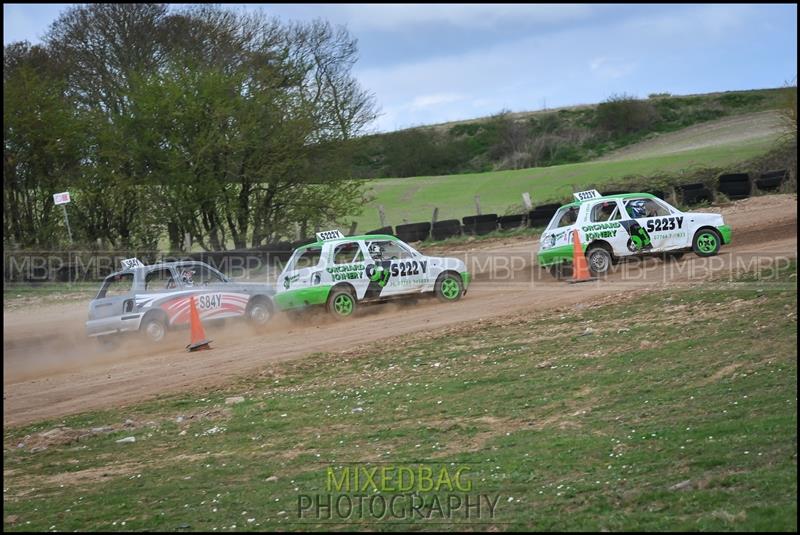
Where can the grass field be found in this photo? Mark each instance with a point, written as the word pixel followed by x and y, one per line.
pixel 413 199
pixel 674 409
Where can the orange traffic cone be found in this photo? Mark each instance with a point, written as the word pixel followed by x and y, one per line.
pixel 198 341
pixel 580 269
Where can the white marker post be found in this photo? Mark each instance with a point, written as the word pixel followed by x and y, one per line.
pixel 63 199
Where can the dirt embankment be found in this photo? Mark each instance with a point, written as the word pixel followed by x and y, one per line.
pixel 748 128
pixel 51 369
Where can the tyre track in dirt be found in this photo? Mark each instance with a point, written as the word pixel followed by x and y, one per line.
pixel 62 374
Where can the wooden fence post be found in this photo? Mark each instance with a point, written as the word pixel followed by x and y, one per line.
pixel 382 215
pixel 433 220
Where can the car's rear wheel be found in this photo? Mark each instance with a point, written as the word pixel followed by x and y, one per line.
pixel 599 260
pixel 706 242
pixel 154 329
pixel 341 303
pixel 449 287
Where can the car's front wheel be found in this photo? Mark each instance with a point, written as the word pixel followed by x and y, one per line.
pixel 706 242
pixel 449 287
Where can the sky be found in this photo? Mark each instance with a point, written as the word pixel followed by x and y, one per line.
pixel 430 63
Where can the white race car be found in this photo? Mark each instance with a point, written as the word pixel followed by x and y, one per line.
pixel 631 224
pixel 339 272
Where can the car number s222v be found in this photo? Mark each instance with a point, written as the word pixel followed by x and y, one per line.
pixel 404 269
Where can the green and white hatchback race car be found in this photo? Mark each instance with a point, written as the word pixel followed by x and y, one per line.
pixel 340 272
pixel 627 225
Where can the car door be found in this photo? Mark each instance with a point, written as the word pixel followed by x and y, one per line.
pixel 652 225
pixel 393 269
pixel 215 297
pixel 605 224
pixel 347 262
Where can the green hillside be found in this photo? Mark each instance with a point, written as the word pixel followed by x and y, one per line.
pixel 413 199
pixel 549 137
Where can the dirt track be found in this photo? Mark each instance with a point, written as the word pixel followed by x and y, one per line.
pixel 51 370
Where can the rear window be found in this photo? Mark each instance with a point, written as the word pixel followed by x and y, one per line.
pixel 566 215
pixel 308 258
pixel 120 284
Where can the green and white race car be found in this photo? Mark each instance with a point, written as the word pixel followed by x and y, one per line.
pixel 628 225
pixel 340 272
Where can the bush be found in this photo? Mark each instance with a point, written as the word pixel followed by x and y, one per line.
pixel 623 114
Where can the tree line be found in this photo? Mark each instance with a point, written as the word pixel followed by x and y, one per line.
pixel 234 128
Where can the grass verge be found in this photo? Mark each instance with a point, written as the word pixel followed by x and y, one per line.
pixel 673 409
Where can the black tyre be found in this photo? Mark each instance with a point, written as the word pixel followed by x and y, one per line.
pixel 259 312
pixel 342 303
pixel 449 287
pixel 154 329
pixel 599 260
pixel 706 242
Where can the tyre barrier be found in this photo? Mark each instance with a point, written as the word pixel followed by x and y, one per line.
pixel 511 222
pixel 658 193
pixel 382 230
pixel 480 224
pixel 735 185
pixel 446 229
pixel 771 180
pixel 694 193
pixel 413 231
pixel 541 215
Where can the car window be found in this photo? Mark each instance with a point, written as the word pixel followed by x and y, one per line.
pixel 605 211
pixel 308 258
pixel 639 207
pixel 205 275
pixel 347 253
pixel 387 250
pixel 198 275
pixel 114 285
pixel 159 279
pixel 566 215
